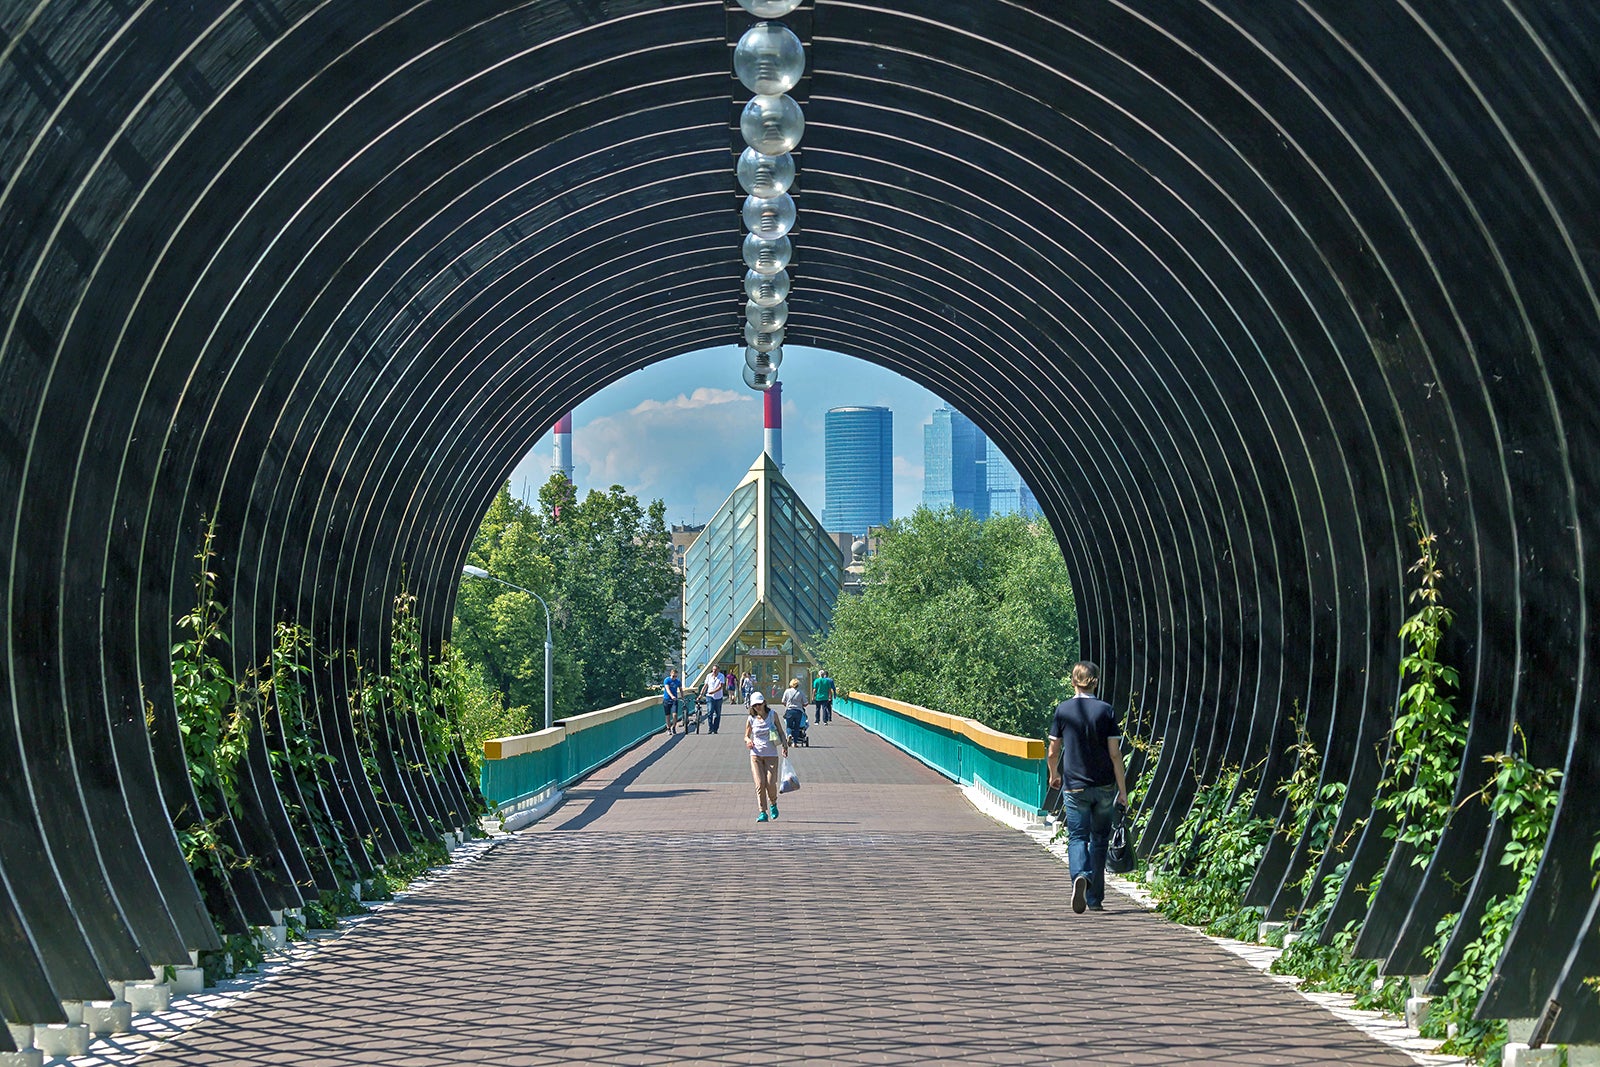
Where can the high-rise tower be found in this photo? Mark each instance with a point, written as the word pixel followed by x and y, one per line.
pixel 954 468
pixel 858 445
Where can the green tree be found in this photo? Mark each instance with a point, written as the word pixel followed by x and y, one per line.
pixel 968 617
pixel 603 562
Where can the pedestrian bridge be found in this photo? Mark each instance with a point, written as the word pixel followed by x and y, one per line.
pixel 1244 289
pixel 882 919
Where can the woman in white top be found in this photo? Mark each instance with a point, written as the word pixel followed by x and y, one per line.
pixel 763 734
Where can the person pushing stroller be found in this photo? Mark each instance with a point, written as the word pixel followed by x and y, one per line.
pixel 794 713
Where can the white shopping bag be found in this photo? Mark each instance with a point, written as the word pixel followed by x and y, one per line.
pixel 788 781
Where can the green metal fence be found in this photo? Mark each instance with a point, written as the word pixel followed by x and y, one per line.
pixel 516 769
pixel 596 739
pixel 1009 768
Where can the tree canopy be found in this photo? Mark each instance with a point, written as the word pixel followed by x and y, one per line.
pixel 962 616
pixel 604 565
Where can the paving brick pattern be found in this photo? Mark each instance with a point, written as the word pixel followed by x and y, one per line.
pixel 881 920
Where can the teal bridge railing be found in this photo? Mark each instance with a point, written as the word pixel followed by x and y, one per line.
pixel 1009 769
pixel 521 772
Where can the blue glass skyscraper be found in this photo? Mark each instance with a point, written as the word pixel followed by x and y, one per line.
pixel 963 469
pixel 954 463
pixel 858 446
pixel 1008 493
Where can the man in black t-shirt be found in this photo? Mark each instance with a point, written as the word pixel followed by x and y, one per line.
pixel 1085 761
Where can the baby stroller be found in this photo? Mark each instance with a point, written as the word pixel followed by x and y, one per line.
pixel 794 720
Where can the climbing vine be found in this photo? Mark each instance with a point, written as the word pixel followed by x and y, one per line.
pixel 299 755
pixel 1429 736
pixel 1313 808
pixel 414 685
pixel 216 712
pixel 1523 797
pixel 213 717
pixel 1199 877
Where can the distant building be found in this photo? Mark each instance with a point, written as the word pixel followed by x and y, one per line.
pixel 759 580
pixel 1008 493
pixel 683 535
pixel 858 447
pixel 954 462
pixel 962 468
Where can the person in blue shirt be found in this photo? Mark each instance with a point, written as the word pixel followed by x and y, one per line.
pixel 1085 763
pixel 670 688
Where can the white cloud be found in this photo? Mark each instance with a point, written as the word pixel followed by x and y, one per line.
pixel 660 433
pixel 688 450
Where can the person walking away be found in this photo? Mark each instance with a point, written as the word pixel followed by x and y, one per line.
pixel 715 688
pixel 763 735
pixel 749 685
pixel 1085 761
pixel 670 688
pixel 794 705
pixel 822 691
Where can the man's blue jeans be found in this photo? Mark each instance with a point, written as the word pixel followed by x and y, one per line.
pixel 1089 815
pixel 714 713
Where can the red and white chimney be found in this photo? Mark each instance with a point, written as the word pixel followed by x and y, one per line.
pixel 773 440
pixel 562 461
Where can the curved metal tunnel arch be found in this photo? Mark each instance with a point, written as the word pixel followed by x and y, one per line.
pixel 1232 286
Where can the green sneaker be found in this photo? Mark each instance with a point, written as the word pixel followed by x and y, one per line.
pixel 761 817
pixel 773 811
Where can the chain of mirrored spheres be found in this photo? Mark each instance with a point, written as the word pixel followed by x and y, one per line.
pixel 768 60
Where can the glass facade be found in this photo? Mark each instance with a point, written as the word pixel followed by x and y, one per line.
pixel 1008 493
pixel 954 462
pixel 858 446
pixel 962 468
pixel 759 581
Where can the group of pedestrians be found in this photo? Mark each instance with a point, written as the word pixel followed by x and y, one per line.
pixel 1084 758
pixel 765 735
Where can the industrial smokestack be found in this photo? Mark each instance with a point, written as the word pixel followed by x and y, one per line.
pixel 774 423
pixel 562 462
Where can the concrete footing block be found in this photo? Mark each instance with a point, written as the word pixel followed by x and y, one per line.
pixel 148 996
pixel 108 1016
pixel 26 1055
pixel 1291 937
pixel 1417 1012
pixel 274 938
pixel 1263 929
pixel 62 1039
pixel 1583 1056
pixel 187 981
pixel 1519 1030
pixel 1518 1054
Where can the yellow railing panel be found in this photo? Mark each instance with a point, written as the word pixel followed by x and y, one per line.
pixel 972 729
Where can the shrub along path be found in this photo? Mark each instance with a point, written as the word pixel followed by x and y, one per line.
pixel 881 920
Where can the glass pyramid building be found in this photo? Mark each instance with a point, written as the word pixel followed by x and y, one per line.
pixel 759 581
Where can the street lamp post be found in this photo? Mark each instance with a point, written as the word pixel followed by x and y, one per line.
pixel 478 572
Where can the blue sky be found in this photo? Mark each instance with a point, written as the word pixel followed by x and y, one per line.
pixel 686 429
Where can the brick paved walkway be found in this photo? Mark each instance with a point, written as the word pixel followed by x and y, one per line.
pixel 881 920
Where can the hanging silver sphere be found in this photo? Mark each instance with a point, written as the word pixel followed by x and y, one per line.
pixel 764 175
pixel 772 125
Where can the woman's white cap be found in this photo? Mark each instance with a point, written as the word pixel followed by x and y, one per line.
pixel 757 698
